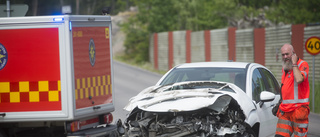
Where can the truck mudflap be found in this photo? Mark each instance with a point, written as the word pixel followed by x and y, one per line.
pixel 103 131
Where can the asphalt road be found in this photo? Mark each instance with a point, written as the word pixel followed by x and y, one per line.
pixel 129 81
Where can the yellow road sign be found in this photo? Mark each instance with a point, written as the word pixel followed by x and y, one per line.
pixel 312 45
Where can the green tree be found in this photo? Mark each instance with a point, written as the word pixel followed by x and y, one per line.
pixel 295 12
pixel 158 15
pixel 136 43
pixel 197 15
pixel 166 15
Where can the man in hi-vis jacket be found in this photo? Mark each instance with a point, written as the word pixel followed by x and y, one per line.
pixel 294 109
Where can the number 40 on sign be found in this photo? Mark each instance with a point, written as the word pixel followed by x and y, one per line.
pixel 312 45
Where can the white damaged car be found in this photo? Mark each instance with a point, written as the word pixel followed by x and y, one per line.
pixel 206 99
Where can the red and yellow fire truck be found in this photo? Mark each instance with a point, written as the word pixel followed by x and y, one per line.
pixel 56 76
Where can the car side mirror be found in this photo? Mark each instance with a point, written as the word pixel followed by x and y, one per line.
pixel 266 96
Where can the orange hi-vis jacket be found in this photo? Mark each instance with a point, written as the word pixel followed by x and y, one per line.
pixel 295 95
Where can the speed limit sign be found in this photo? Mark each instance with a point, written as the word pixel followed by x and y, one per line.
pixel 312 45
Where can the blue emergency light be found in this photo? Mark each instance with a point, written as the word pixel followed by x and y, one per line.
pixel 58 19
pixel 70 26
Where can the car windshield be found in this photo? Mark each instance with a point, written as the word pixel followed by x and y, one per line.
pixel 231 75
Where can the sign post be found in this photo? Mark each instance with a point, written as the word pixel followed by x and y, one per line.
pixel 312 46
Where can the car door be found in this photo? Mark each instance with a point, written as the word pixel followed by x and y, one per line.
pixel 261 82
pixel 272 85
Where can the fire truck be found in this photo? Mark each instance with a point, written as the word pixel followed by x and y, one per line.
pixel 56 76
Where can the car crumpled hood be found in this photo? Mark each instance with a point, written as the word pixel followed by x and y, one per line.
pixel 183 100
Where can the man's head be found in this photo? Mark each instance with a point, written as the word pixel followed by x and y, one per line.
pixel 287 51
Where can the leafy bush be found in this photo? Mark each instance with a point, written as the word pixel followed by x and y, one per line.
pixel 137 41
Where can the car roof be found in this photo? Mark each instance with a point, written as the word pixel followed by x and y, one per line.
pixel 214 64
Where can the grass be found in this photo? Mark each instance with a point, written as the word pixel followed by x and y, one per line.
pixel 316 97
